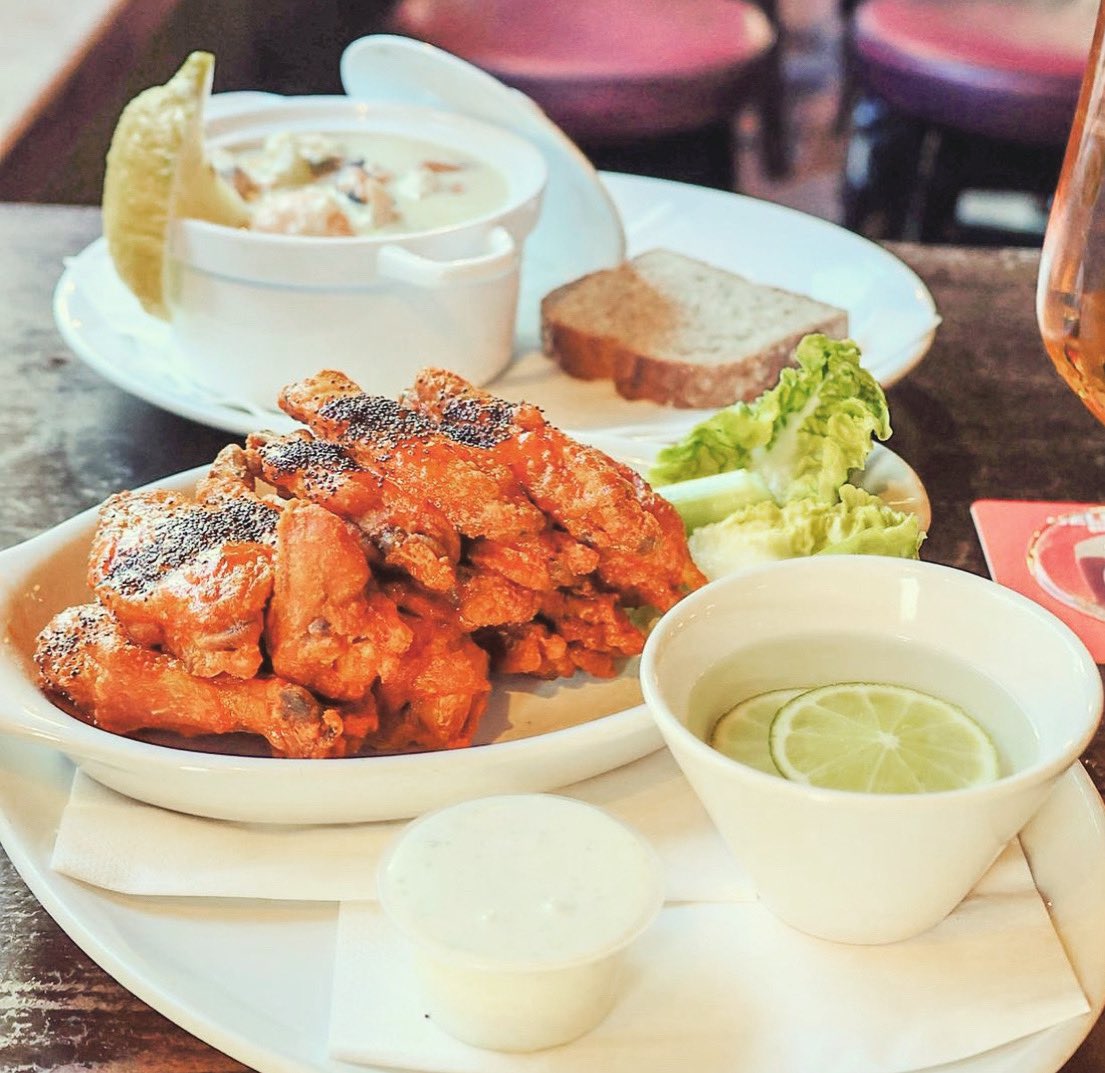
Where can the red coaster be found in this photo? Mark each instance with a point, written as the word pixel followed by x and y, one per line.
pixel 1005 529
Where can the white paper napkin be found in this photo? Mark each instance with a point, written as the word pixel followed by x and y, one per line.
pixel 717 983
pixel 123 845
pixel 723 987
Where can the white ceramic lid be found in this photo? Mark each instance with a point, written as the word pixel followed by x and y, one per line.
pixel 579 231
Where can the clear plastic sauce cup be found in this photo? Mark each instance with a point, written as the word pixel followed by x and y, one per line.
pixel 518 907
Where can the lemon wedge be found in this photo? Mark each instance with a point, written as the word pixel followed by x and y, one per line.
pixel 741 733
pixel 882 739
pixel 158 171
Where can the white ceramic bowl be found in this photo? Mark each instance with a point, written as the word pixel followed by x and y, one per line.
pixel 854 867
pixel 252 312
pixel 537 735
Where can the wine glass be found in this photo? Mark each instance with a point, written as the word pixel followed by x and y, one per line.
pixel 1067 556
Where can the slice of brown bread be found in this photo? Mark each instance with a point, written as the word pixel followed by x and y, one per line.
pixel 678 331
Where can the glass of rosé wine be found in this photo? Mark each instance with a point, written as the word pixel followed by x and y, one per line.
pixel 1067 556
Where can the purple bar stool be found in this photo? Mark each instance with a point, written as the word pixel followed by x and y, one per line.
pixel 642 85
pixel 957 95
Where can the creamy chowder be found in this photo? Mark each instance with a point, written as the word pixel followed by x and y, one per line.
pixel 350 184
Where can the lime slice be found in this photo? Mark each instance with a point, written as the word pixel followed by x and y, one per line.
pixel 157 170
pixel 741 733
pixel 881 739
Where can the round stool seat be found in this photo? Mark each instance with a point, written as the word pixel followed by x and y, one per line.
pixel 1003 69
pixel 604 69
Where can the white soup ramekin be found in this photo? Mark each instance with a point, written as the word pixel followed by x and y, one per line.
pixel 252 311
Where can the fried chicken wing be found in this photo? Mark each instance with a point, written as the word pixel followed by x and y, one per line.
pixel 542 562
pixel 529 648
pixel 653 585
pixel 411 534
pixel 346 590
pixel 328 626
pixel 474 491
pixel 578 486
pixel 436 695
pixel 502 584
pixel 585 630
pixel 593 621
pixel 487 598
pixel 360 722
pixel 86 659
pixel 192 579
pixel 228 478
pixel 595 499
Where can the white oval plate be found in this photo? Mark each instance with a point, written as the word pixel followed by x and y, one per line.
pixel 254 978
pixel 535 735
pixel 891 313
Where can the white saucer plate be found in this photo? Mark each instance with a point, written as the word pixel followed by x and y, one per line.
pixel 534 736
pixel 891 313
pixel 254 978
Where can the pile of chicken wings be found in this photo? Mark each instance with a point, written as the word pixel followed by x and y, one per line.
pixel 350 587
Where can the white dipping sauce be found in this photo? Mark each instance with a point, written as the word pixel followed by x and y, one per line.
pixel 518 906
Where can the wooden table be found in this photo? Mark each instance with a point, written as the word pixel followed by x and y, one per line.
pixel 982 416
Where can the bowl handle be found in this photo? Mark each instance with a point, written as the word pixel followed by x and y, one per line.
pixel 405 266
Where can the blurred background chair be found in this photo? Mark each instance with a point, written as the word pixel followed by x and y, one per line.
pixel 67 69
pixel 59 68
pixel 953 97
pixel 645 86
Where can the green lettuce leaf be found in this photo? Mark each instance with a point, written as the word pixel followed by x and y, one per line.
pixel 802 437
pixel 709 499
pixel 858 524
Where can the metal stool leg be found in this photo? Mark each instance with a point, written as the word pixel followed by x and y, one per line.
pixel 880 170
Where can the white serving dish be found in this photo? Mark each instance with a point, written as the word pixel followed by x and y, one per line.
pixel 256 311
pixel 535 735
